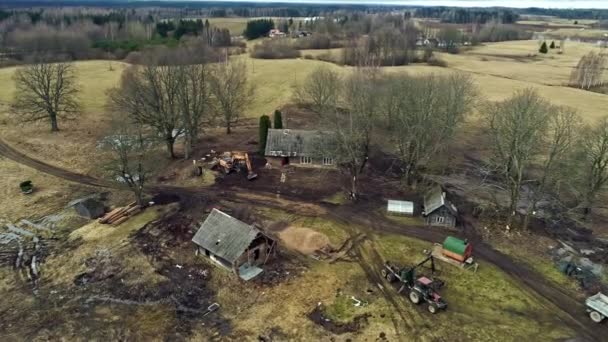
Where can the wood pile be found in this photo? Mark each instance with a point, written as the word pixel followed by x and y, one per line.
pixel 120 214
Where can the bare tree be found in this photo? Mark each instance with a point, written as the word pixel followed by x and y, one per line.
pixel 194 101
pixel 231 91
pixel 589 71
pixel 517 127
pixel 557 144
pixel 351 127
pixel 423 114
pixel 593 163
pixel 321 89
pixel 150 95
pixel 46 91
pixel 132 156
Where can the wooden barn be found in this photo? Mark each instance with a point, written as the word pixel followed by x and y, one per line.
pixel 296 147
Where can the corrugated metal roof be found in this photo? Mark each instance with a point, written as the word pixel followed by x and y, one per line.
pixel 435 199
pixel 404 207
pixel 293 142
pixel 225 236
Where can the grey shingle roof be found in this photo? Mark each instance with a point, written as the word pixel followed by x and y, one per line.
pixel 225 236
pixel 293 142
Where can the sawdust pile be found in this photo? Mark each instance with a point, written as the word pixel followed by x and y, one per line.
pixel 303 240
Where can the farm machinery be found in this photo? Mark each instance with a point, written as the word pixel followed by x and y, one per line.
pixel 236 161
pixel 422 289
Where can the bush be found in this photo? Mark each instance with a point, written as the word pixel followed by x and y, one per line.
pixel 274 49
pixel 436 61
pixel 317 42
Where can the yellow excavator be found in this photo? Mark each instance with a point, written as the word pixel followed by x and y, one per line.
pixel 235 161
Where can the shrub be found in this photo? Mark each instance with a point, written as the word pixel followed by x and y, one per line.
pixel 436 61
pixel 274 49
pixel 317 42
pixel 278 119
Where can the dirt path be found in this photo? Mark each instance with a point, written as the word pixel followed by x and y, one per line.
pixel 573 312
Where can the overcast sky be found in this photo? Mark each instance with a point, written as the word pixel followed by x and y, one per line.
pixel 468 3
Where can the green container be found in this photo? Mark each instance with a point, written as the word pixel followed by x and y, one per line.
pixel 455 245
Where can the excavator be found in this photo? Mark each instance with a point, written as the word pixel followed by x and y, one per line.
pixel 235 161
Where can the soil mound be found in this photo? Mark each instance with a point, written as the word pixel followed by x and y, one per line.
pixel 303 240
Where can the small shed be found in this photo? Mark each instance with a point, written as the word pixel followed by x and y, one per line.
pixel 89 208
pixel 233 244
pixel 438 210
pixel 405 208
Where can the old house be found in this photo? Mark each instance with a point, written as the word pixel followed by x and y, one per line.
pixel 299 148
pixel 234 245
pixel 438 211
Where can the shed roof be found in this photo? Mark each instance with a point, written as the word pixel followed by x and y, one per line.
pixel 404 207
pixel 225 236
pixel 435 199
pixel 294 142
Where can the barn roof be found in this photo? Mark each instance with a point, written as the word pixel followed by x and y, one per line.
pixel 225 236
pixel 294 142
pixel 435 199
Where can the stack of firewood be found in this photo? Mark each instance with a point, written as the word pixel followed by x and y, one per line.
pixel 120 214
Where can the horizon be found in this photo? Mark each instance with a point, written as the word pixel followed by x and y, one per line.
pixel 552 4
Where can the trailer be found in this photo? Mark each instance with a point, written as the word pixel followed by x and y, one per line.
pixel 597 307
pixel 421 289
pixel 456 252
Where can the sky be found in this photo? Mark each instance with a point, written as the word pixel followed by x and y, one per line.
pixel 603 4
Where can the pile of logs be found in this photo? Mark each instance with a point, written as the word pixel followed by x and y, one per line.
pixel 121 214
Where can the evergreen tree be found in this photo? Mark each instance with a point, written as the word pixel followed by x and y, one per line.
pixel 278 119
pixel 264 126
pixel 543 48
pixel 552 46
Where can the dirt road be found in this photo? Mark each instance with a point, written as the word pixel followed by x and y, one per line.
pixel 573 313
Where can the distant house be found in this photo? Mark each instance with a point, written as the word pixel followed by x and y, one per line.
pixel 438 211
pixel 276 33
pixel 432 42
pixel 299 148
pixel 300 34
pixel 233 245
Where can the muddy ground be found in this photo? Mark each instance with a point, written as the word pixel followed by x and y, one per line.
pixel 302 190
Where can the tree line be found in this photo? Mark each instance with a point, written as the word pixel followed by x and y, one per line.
pixel 537 150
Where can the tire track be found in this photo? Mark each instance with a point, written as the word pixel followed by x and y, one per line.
pixel 573 311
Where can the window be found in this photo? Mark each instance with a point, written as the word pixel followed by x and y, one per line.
pixel 305 160
pixel 328 161
pixel 439 219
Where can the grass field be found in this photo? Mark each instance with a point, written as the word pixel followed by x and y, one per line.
pixel 498 70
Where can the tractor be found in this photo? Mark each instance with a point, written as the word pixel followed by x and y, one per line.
pixel 422 289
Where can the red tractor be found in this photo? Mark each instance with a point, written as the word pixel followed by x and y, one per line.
pixel 423 289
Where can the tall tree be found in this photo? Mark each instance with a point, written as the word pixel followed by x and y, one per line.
pixel 589 71
pixel 351 127
pixel 321 89
pixel 543 48
pixel 517 127
pixel 231 92
pixel 132 156
pixel 194 101
pixel 264 126
pixel 593 163
pixel 46 91
pixel 278 119
pixel 150 95
pixel 423 114
pixel 556 145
